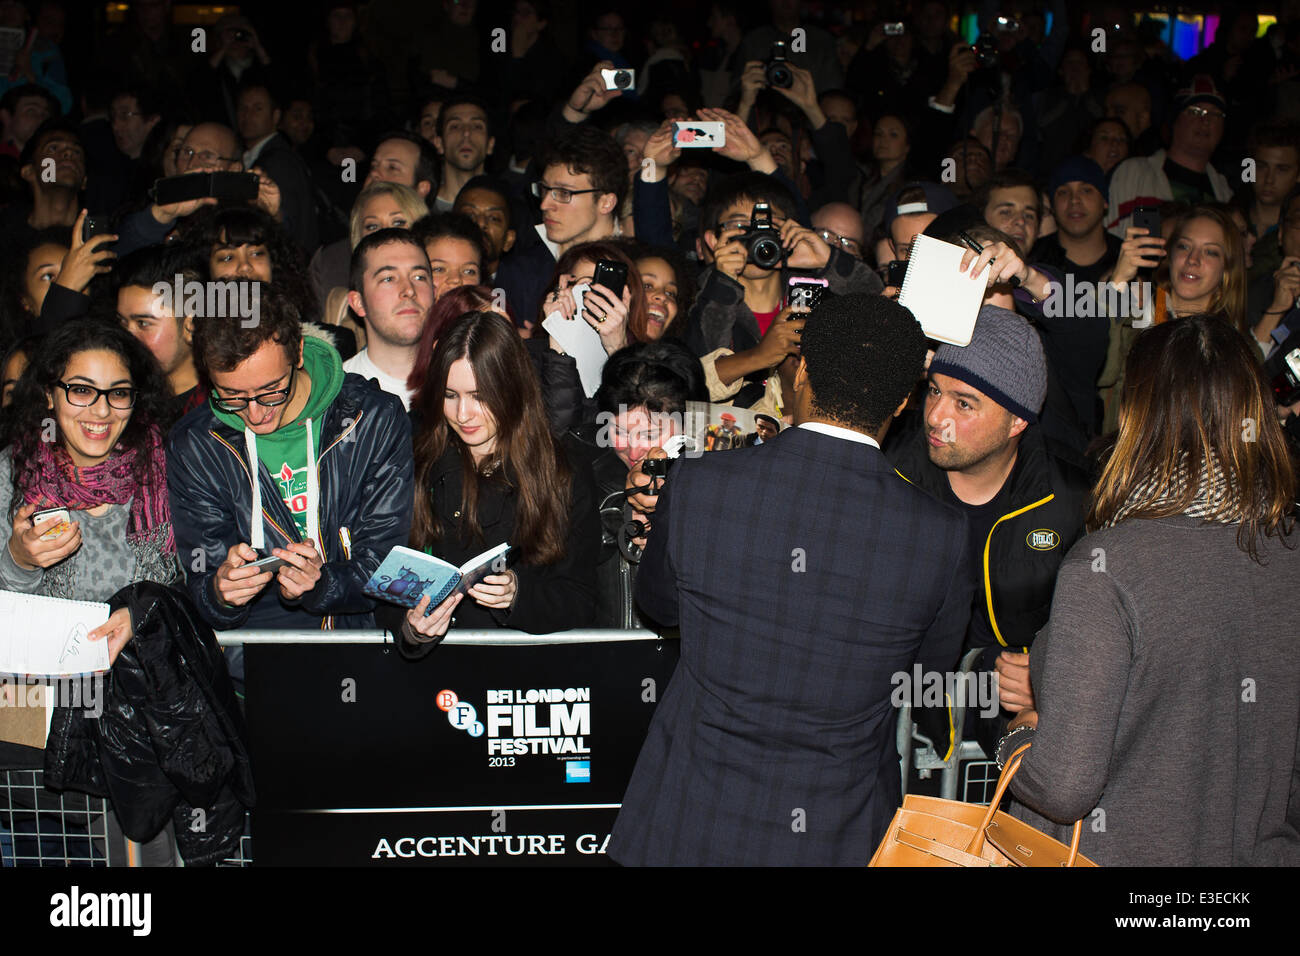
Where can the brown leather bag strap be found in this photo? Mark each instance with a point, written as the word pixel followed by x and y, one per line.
pixel 976 846
pixel 1074 842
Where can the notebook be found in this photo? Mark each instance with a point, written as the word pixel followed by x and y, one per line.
pixel 47 637
pixel 579 339
pixel 945 300
pixel 407 575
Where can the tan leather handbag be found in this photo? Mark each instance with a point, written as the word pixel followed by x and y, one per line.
pixel 930 831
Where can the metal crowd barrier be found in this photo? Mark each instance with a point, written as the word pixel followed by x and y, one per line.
pixel 40 828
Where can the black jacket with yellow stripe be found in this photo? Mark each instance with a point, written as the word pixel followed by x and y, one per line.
pixel 1045 508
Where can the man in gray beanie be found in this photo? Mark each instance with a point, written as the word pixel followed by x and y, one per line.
pixel 979 447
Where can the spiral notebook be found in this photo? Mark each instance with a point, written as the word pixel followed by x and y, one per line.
pixel 945 300
pixel 47 637
pixel 407 575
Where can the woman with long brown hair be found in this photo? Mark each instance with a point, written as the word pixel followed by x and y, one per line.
pixel 1166 691
pixel 488 471
pixel 1199 269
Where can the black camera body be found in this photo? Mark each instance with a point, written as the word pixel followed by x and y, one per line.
pixel 777 68
pixel 762 239
pixel 986 52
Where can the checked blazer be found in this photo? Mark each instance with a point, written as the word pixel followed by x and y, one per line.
pixel 804 574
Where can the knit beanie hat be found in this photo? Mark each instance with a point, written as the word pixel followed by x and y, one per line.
pixel 1004 360
pixel 1077 169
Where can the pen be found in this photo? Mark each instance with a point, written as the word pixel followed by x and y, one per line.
pixel 975 247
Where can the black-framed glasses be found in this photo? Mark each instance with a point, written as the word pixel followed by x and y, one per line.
pixel 559 193
pixel 1200 112
pixel 851 246
pixel 121 397
pixel 266 399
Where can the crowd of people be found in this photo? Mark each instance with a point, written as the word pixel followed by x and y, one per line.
pixel 349 338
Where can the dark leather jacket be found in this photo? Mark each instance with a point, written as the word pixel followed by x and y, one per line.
pixel 168 744
pixel 366 486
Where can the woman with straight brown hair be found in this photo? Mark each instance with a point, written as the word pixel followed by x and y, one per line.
pixel 1165 705
pixel 1203 272
pixel 489 471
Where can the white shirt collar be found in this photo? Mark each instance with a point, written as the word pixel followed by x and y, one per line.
pixel 251 154
pixel 835 431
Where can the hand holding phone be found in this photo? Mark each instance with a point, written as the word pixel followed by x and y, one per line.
pixel 236 583
pixel 31 543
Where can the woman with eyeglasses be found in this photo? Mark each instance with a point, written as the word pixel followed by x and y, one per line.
pixel 85 436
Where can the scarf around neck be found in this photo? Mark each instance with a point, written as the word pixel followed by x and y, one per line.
pixel 50 479
pixel 1212 493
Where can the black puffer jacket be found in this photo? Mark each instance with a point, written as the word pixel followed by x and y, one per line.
pixel 168 744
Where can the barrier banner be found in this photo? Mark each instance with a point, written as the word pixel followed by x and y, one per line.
pixel 476 755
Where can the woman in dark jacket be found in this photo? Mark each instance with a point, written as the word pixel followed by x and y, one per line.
pixel 1165 692
pixel 488 471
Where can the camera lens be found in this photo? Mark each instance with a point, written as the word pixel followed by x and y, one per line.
pixel 622 79
pixel 765 251
pixel 778 74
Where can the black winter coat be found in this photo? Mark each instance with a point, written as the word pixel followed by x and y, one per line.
pixel 168 744
pixel 554 597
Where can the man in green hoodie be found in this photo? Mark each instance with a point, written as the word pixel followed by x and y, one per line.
pixel 291 458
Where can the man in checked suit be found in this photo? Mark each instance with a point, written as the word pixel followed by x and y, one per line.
pixel 774 742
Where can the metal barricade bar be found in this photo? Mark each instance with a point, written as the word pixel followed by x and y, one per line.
pixel 501 637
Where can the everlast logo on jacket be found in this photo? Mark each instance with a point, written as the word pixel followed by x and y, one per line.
pixel 1043 539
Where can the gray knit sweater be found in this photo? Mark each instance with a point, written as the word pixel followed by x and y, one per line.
pixel 1167 684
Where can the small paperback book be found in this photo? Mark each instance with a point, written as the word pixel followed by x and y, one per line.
pixel 407 575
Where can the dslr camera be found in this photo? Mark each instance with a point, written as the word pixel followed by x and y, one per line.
pixel 618 79
pixel 777 68
pixel 986 52
pixel 762 239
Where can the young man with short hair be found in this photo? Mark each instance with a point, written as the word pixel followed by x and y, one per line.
pixel 487 202
pixel 291 458
pixel 22 111
pixel 54 201
pixel 1084 253
pixel 1010 202
pixel 465 141
pixel 582 185
pixel 741 328
pixel 390 288
pixel 154 321
pixel 1275 147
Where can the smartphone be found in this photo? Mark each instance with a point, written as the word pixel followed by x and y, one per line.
pixel 94 227
pixel 896 274
pixel 1148 218
pixel 65 521
pixel 612 275
pixel 268 564
pixel 804 292
pixel 698 134
pixel 234 187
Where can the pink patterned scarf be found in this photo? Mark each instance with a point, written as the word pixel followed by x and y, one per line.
pixel 49 479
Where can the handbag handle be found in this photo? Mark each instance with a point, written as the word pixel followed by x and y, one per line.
pixel 976 846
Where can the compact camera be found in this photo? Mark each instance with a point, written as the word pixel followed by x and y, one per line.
pixel 762 239
pixel 777 68
pixel 618 79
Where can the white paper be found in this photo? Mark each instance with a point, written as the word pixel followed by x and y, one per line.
pixel 579 339
pixel 945 300
pixel 48 636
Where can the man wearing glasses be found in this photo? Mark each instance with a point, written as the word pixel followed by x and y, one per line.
pixel 583 182
pixel 840 225
pixel 1183 172
pixel 291 458
pixel 207 148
